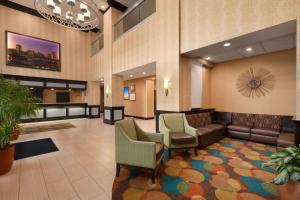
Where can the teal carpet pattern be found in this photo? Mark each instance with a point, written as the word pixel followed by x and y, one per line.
pixel 227 170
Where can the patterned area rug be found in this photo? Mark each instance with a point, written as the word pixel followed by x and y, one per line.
pixel 44 128
pixel 227 170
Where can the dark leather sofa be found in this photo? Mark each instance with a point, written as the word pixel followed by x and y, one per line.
pixel 261 128
pixel 209 131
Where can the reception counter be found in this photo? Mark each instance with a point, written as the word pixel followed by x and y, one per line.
pixel 60 111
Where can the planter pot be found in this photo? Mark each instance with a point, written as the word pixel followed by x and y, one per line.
pixel 289 191
pixel 6 159
pixel 15 134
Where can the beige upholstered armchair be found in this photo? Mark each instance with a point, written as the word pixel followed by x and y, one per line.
pixel 134 147
pixel 177 132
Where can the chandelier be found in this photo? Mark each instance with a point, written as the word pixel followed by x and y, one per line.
pixel 76 14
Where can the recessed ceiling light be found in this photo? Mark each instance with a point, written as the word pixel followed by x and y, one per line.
pixel 103 7
pixel 144 73
pixel 249 49
pixel 31 88
pixel 131 75
pixel 208 58
pixel 52 88
pixel 226 44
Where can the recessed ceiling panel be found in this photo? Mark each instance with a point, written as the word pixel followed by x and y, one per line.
pixel 278 44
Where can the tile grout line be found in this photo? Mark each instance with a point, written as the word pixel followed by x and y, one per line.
pixel 44 178
pixel 68 179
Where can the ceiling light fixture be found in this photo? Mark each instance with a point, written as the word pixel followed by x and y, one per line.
pixel 131 75
pixel 208 58
pixel 249 49
pixel 144 73
pixel 226 44
pixel 76 14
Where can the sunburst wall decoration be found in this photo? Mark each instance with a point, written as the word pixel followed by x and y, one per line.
pixel 255 83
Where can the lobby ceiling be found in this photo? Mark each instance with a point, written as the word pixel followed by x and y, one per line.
pixel 127 3
pixel 139 72
pixel 272 39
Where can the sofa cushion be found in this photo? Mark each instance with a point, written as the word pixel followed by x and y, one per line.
pixel 242 119
pixel 238 134
pixel 203 131
pixel 286 139
pixel 199 119
pixel 159 150
pixel 239 128
pixel 263 139
pixel 178 138
pixel 213 127
pixel 265 131
pixel 267 122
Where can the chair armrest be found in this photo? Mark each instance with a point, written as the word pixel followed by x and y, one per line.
pixel 148 137
pixel 151 137
pixel 136 153
pixel 165 131
pixel 190 130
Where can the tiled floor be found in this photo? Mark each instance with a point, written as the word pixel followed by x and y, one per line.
pixel 83 169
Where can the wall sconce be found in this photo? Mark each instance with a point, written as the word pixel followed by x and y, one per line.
pixel 166 87
pixel 107 91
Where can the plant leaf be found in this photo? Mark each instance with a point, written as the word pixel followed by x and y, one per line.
pixel 295 176
pixel 287 159
pixel 282 178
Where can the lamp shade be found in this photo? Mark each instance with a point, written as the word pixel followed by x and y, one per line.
pixel 71 2
pixel 50 4
pixel 57 11
pixel 83 7
pixel 87 15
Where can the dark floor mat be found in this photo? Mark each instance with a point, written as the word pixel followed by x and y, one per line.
pixel 34 148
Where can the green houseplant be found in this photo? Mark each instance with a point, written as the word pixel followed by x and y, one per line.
pixel 6 150
pixel 287 164
pixel 16 102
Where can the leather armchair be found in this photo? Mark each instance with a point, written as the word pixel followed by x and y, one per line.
pixel 177 132
pixel 135 147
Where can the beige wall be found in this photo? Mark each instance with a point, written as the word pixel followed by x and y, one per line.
pixel 206 87
pixel 75 45
pixel 76 96
pixel 144 104
pixel 207 22
pixel 155 39
pixel 281 100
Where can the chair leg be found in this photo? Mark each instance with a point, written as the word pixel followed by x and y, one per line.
pixel 118 170
pixel 196 151
pixel 170 153
pixel 153 176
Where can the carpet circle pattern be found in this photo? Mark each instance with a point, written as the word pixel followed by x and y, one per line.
pixel 227 170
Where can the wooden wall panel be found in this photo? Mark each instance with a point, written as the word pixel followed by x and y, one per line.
pixel 75 45
pixel 206 22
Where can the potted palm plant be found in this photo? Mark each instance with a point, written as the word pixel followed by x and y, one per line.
pixel 16 102
pixel 6 150
pixel 287 164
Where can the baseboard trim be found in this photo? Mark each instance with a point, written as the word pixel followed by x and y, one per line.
pixel 138 117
